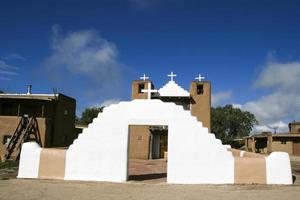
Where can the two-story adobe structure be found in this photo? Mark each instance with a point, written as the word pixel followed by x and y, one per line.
pixel 54 114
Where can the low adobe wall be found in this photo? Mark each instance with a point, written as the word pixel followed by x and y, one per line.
pixel 249 168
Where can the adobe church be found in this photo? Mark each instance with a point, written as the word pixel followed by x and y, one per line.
pixel 149 128
pixel 150 142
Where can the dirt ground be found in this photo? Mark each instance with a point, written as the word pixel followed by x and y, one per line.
pixel 147 181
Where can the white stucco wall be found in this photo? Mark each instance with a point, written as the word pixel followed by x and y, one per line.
pixel 278 168
pixel 194 156
pixel 29 160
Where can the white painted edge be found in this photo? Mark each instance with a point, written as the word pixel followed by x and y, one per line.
pixel 278 167
pixel 29 160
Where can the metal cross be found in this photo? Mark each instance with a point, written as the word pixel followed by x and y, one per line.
pixel 144 77
pixel 200 78
pixel 172 75
pixel 149 91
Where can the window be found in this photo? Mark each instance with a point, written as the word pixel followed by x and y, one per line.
pixel 66 112
pixel 141 87
pixel 200 89
pixel 140 137
pixel 6 139
pixel 283 141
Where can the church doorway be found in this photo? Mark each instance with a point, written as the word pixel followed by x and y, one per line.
pixel 158 142
pixel 147 153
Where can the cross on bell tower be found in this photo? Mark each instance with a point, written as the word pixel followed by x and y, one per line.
pixel 172 75
pixel 144 77
pixel 149 91
pixel 200 78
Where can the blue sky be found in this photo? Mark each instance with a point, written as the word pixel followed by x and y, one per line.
pixel 92 50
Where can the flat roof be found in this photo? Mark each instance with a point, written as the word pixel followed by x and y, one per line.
pixel 274 135
pixel 295 123
pixel 45 97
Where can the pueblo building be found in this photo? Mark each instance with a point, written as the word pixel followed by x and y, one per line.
pixel 268 142
pixel 150 142
pixel 47 119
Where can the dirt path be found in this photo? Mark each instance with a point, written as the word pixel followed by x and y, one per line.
pixel 141 187
pixel 49 189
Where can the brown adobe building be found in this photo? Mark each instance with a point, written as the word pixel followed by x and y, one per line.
pixel 54 114
pixel 268 142
pixel 150 142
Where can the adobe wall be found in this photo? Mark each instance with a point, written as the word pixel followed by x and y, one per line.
pixel 248 144
pixel 295 127
pixel 8 124
pixel 139 142
pixel 296 147
pixel 277 146
pixel 64 122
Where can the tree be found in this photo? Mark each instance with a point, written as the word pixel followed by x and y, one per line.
pixel 1 92
pixel 229 123
pixel 89 114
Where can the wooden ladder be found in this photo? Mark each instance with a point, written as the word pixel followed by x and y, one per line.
pixel 26 131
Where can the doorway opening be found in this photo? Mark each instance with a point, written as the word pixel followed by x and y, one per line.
pixel 147 153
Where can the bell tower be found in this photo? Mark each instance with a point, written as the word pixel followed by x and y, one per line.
pixel 138 86
pixel 200 92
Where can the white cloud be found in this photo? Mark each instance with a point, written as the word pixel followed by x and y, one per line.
pixel 236 105
pixel 220 97
pixel 107 103
pixel 275 106
pixel 283 101
pixel 279 126
pixel 14 56
pixel 84 53
pixel 6 71
pixel 279 75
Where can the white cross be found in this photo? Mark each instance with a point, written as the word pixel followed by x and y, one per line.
pixel 144 77
pixel 172 75
pixel 200 78
pixel 149 90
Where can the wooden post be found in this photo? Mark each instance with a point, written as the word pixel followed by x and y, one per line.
pixel 19 109
pixel 253 145
pixel 246 144
pixel 43 110
pixel 150 147
pixel 270 142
